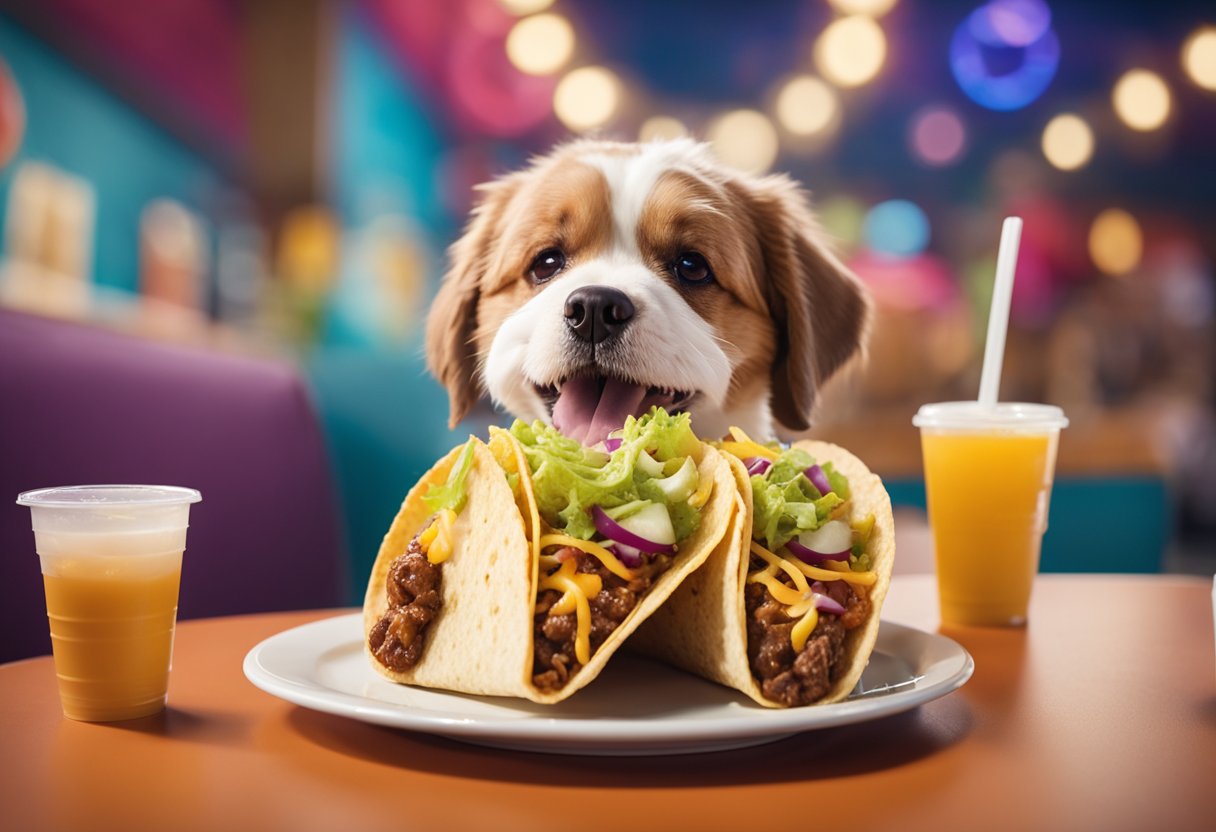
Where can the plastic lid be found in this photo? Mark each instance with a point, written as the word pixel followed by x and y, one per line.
pixel 108 496
pixel 1004 415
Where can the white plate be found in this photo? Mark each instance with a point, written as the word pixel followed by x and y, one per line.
pixel 635 707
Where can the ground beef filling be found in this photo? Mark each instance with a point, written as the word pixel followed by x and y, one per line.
pixel 398 638
pixel 553 639
pixel 802 678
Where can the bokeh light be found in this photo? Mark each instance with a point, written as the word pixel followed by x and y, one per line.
pixel 851 51
pixel 1141 99
pixel 744 139
pixel 1115 242
pixel 997 36
pixel 937 136
pixel 587 97
pixel 1017 23
pixel 870 8
pixel 842 217
pixel 806 106
pixel 657 128
pixel 519 8
pixel 1068 142
pixel 896 228
pixel 541 44
pixel 1199 57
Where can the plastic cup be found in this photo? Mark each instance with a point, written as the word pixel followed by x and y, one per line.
pixel 988 476
pixel 111 567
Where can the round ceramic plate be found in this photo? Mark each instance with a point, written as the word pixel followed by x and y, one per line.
pixel 635 707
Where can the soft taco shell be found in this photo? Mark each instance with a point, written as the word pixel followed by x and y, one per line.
pixel 481 640
pixel 703 626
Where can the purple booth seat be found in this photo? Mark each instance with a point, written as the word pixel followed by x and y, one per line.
pixel 80 405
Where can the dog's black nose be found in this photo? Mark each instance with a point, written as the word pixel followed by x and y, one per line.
pixel 596 312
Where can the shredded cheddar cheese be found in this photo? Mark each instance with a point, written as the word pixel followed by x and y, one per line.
pixel 577 588
pixel 436 541
pixel 599 552
pixel 819 573
pixel 803 629
pixel 800 599
pixel 705 487
pixel 780 592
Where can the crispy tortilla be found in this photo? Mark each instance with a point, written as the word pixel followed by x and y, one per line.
pixel 481 640
pixel 703 626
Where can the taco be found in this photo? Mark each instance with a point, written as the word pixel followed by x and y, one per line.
pixel 518 567
pixel 786 609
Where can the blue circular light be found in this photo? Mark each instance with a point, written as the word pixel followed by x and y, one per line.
pixel 896 228
pixel 992 63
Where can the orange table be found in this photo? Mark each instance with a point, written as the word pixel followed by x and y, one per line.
pixel 1100 715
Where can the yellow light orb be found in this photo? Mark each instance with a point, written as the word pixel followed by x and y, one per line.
pixel 519 8
pixel 1141 99
pixel 806 106
pixel 851 51
pixel 1199 57
pixel 1115 242
pixel 1068 143
pixel 744 139
pixel 870 8
pixel 658 128
pixel 587 97
pixel 541 44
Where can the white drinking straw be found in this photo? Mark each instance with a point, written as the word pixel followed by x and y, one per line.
pixel 998 313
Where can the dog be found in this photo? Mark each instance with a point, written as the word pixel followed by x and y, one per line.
pixel 607 278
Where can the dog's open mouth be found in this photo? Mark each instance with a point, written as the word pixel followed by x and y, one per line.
pixel 588 408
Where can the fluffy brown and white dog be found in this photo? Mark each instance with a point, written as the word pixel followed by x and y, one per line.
pixel 610 277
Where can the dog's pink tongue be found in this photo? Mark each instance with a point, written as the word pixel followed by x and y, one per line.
pixel 585 413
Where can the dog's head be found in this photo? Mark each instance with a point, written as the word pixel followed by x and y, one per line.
pixel 607 278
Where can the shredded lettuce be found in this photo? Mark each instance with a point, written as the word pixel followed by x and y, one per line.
pixel 568 479
pixel 452 494
pixel 787 504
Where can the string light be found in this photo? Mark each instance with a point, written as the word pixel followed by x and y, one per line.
pixel 657 128
pixel 896 228
pixel 1115 242
pixel 1068 142
pixel 1018 35
pixel 1199 57
pixel 1141 99
pixel 851 51
pixel 937 136
pixel 806 106
pixel 870 8
pixel 744 139
pixel 587 97
pixel 541 44
pixel 519 8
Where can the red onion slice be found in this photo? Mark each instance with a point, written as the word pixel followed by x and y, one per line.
pixel 825 604
pixel 612 443
pixel 628 555
pixel 757 465
pixel 819 479
pixel 613 530
pixel 810 556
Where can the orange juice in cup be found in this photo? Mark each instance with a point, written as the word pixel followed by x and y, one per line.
pixel 988 477
pixel 111 563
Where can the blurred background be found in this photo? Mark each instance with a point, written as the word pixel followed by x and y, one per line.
pixel 278 180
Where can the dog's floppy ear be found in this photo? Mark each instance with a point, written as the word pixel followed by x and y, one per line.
pixel 451 323
pixel 820 309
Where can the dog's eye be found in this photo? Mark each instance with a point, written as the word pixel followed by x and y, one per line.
pixel 548 263
pixel 692 267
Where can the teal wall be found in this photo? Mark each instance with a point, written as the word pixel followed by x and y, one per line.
pixel 1094 524
pixel 385 419
pixel 79 127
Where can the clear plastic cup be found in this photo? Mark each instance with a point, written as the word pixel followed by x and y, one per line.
pixel 111 566
pixel 988 476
